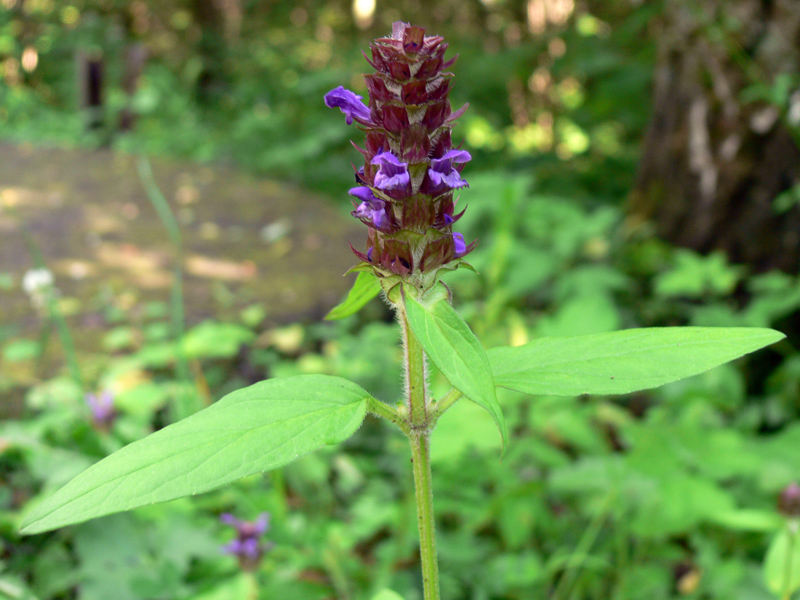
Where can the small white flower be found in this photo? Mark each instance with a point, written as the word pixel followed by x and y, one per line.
pixel 38 284
pixel 36 280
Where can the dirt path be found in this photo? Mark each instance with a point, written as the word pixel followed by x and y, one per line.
pixel 246 240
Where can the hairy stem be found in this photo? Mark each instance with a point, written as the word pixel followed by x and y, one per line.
pixel 416 388
pixel 421 458
pixel 379 409
pixel 444 404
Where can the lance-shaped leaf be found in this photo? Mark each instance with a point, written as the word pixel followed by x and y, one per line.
pixel 365 288
pixel 621 361
pixel 782 564
pixel 456 352
pixel 254 429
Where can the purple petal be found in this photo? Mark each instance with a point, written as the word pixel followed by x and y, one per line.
pixel 392 174
pixel 372 211
pixel 350 104
pixel 443 171
pixel 449 220
pixel 379 218
pixel 249 548
pixel 363 211
pixel 461 246
pixel 453 180
pixel 262 523
pixel 102 407
pixel 458 156
pixel 362 193
pixel 233 547
pixel 229 519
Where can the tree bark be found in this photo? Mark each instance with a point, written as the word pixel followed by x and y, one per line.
pixel 718 152
pixel 220 23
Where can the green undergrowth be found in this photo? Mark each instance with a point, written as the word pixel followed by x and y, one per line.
pixel 661 494
pixel 664 494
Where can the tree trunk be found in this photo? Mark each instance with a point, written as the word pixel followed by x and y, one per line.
pixel 724 139
pixel 220 22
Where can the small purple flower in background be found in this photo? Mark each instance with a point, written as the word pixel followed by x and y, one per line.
pixel 102 407
pixel 372 210
pixel 789 501
pixel 247 547
pixel 392 174
pixel 443 170
pixel 350 104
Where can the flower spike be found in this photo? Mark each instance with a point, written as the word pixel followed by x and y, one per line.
pixel 410 171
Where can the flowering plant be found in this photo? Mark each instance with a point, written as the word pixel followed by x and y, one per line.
pixel 247 546
pixel 405 197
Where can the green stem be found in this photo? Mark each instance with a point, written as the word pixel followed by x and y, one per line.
pixel 55 314
pixel 440 407
pixel 379 409
pixel 421 457
pixel 66 338
pixel 415 377
pixel 170 223
pixel 575 561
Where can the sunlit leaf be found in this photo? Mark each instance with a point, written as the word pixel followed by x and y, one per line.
pixel 621 361
pixel 782 564
pixel 456 352
pixel 254 429
pixel 365 288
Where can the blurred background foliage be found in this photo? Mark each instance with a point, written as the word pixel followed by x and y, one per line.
pixel 242 81
pixel 658 495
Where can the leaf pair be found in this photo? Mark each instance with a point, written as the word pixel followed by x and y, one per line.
pixel 271 423
pixel 606 363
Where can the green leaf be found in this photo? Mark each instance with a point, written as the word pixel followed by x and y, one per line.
pixel 744 519
pixel 19 350
pixel 387 595
pixel 216 340
pixel 782 564
pixel 456 352
pixel 252 430
pixel 621 361
pixel 365 288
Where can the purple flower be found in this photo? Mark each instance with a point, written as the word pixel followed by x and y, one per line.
pixel 443 171
pixel 350 104
pixel 102 408
pixel 392 174
pixel 789 501
pixel 247 547
pixel 461 246
pixel 371 210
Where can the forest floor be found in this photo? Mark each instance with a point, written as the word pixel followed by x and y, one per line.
pixel 246 240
